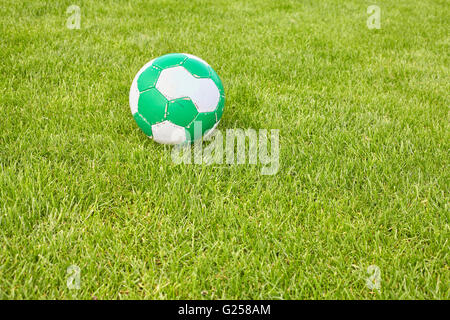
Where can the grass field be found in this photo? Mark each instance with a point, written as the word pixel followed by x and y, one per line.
pixel 364 152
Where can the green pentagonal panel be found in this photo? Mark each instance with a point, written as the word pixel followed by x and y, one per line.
pixel 197 68
pixel 143 124
pixel 217 81
pixel 181 111
pixel 220 107
pixel 170 60
pixel 152 106
pixel 148 78
pixel 207 121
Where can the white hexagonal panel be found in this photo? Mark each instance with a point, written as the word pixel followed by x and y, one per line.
pixel 177 82
pixel 168 133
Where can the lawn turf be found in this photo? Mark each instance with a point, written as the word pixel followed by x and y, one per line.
pixel 364 163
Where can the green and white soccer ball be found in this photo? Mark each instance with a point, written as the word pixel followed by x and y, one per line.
pixel 177 98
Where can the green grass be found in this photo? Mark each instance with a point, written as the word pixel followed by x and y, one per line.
pixel 364 164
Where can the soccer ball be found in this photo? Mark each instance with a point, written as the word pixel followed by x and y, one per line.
pixel 177 98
